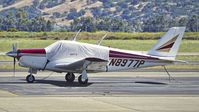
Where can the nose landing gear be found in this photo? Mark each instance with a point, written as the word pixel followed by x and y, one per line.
pixel 30 78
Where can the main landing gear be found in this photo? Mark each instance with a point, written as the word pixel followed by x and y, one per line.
pixel 70 77
pixel 82 81
pixel 83 78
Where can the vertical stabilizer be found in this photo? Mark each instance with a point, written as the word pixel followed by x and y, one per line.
pixel 168 45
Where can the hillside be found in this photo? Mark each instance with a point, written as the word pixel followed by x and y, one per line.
pixel 138 13
pixel 53 8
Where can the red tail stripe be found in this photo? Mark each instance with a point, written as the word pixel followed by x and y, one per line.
pixel 167 47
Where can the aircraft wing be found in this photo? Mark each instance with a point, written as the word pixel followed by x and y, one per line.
pixel 74 64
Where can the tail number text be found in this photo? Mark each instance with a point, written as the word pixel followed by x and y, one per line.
pixel 126 62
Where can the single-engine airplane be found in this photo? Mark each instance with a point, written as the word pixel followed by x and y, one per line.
pixel 74 57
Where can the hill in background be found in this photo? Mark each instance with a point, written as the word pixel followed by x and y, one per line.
pixel 92 15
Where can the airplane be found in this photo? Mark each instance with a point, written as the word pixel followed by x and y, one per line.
pixel 71 57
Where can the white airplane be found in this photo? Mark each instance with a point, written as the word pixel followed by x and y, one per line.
pixel 74 57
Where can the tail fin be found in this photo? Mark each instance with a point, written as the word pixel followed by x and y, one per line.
pixel 168 45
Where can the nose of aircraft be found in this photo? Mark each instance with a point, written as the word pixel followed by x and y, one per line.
pixel 12 54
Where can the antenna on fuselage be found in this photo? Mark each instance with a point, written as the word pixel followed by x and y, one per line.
pixel 100 41
pixel 75 38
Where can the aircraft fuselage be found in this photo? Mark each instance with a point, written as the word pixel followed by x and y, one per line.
pixel 117 60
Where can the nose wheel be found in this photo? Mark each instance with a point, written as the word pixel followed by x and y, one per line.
pixel 70 77
pixel 30 78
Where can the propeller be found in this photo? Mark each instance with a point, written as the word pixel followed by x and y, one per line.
pixel 2 53
pixel 14 49
pixel 13 54
pixel 14 66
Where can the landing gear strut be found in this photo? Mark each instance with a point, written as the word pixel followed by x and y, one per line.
pixel 82 81
pixel 83 78
pixel 70 77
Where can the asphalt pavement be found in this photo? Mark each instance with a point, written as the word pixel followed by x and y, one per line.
pixel 105 92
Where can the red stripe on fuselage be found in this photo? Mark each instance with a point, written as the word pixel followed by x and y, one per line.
pixel 118 54
pixel 32 51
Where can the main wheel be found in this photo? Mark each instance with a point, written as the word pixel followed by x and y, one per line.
pixel 30 78
pixel 70 77
pixel 82 81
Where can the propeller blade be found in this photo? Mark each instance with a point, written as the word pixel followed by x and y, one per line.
pixel 2 53
pixel 14 47
pixel 13 54
pixel 14 67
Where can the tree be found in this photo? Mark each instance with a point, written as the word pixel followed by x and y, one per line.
pixel 183 21
pixel 193 23
pixel 49 26
pixel 21 19
pixel 9 21
pixel 108 24
pixel 85 24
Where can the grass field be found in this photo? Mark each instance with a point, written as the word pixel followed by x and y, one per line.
pixel 140 45
pixel 94 35
pixel 130 41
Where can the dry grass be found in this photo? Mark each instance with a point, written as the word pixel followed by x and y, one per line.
pixel 18 4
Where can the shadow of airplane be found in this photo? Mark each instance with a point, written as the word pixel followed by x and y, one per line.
pixel 13 82
pixel 62 83
pixel 76 84
pixel 151 82
pixel 52 82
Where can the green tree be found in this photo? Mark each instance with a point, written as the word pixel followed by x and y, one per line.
pixel 193 23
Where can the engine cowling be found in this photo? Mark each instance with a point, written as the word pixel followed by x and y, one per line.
pixel 33 62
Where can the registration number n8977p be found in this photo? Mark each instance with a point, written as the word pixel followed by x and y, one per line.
pixel 126 62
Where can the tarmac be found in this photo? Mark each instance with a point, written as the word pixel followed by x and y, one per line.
pixel 106 92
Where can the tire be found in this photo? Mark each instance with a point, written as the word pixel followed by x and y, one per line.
pixel 30 78
pixel 70 77
pixel 80 80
